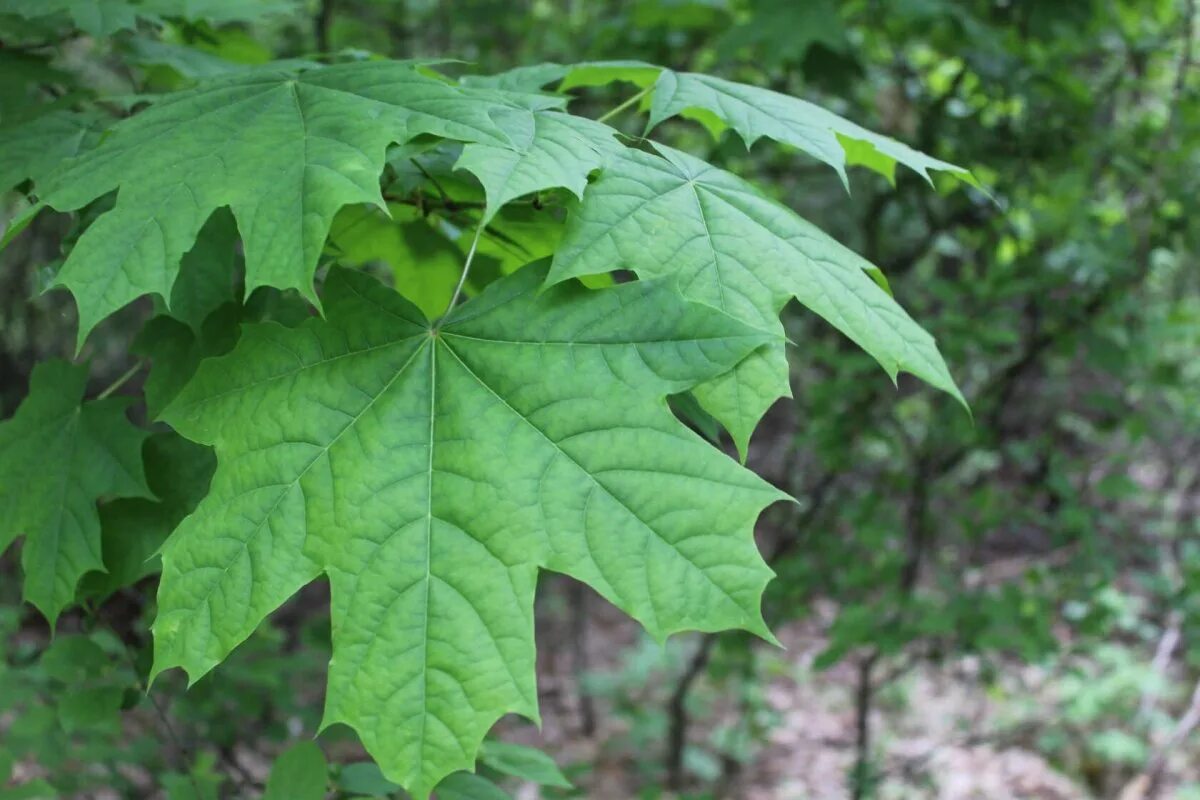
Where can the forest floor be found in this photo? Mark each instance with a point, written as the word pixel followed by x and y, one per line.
pixel 939 732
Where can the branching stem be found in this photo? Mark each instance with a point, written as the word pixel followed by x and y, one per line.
pixel 449 204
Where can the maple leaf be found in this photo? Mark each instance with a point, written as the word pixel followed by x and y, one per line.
pixel 215 11
pixel 132 529
pixel 57 457
pixel 733 248
pixel 207 273
pixel 284 149
pixel 557 150
pixel 526 78
pixel 423 263
pixel 754 113
pixel 33 147
pixel 431 470
pixel 751 111
pixel 95 17
pixel 105 17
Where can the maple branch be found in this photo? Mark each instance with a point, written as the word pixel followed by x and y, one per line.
pixel 432 204
pixel 447 203
pixel 677 707
pixel 322 23
pixel 861 776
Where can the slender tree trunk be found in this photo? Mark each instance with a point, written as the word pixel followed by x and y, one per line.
pixel 322 22
pixel 862 777
pixel 678 714
pixel 580 663
pixel 1149 785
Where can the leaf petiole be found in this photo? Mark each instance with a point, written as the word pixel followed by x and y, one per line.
pixel 631 101
pixel 462 279
pixel 123 379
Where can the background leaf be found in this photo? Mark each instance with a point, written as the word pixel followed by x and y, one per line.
pixel 300 773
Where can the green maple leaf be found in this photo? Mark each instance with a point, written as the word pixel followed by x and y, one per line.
pixel 431 470
pixel 556 150
pixel 215 11
pixel 751 111
pixel 300 773
pixel 422 261
pixel 175 351
pixel 527 78
pixel 57 457
pixel 95 17
pixel 547 149
pixel 466 786
pixel 521 761
pixel 106 17
pixel 284 149
pixel 569 76
pixel 190 62
pixel 741 252
pixel 33 148
pixel 132 529
pixel 755 113
pixel 25 77
pixel 601 73
pixel 207 273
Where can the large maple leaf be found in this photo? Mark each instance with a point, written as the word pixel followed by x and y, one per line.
pixel 430 470
pixel 751 111
pixel 735 249
pixel 284 149
pixel 106 17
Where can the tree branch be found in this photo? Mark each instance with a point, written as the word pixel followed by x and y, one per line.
pixel 677 710
pixel 322 23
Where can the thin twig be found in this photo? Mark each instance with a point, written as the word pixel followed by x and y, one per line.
pixel 449 204
pixel 182 752
pixel 1161 664
pixel 454 206
pixel 1152 779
